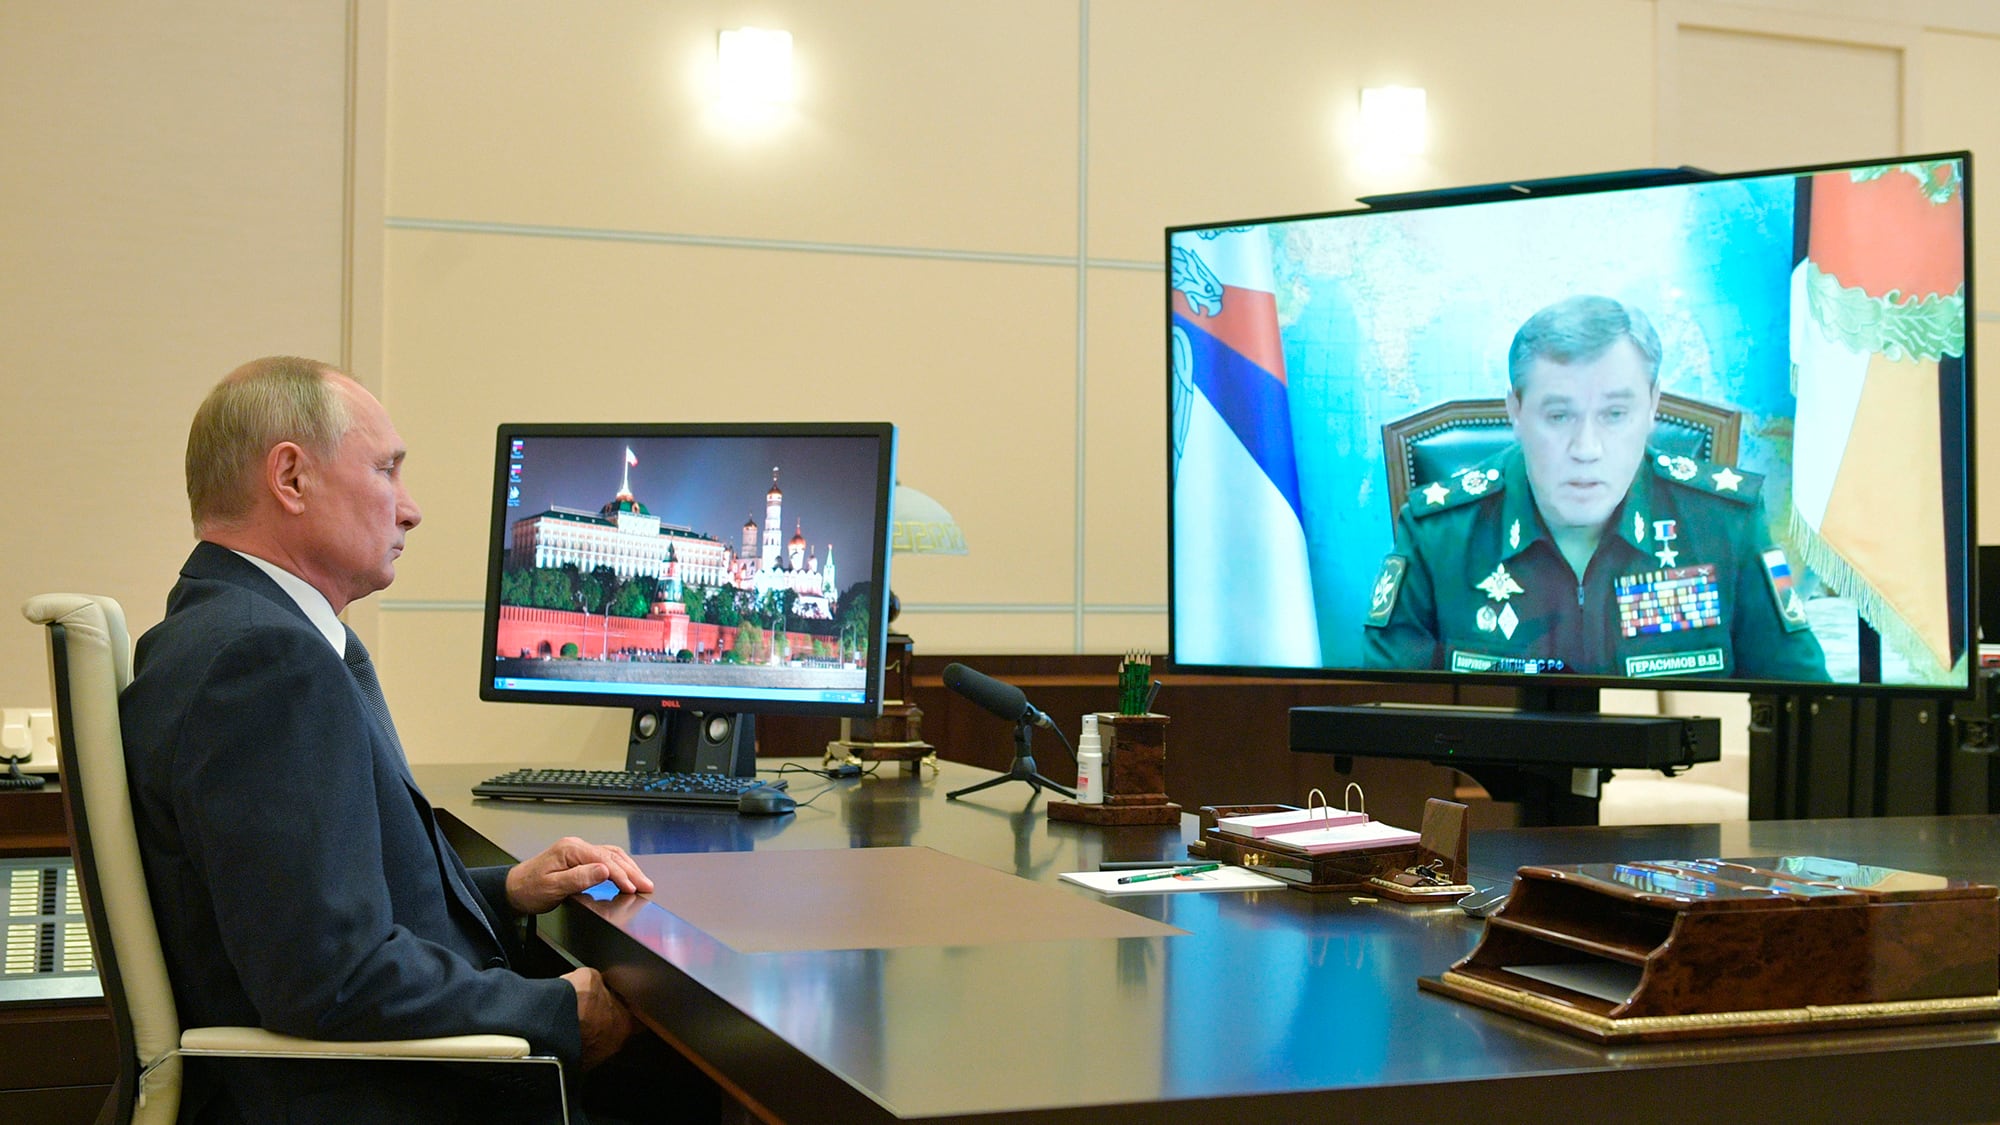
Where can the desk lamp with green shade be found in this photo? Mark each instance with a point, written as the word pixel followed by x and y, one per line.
pixel 921 526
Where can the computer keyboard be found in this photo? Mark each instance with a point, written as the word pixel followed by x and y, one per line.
pixel 622 786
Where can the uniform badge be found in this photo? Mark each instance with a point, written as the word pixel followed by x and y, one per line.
pixel 1435 494
pixel 1500 585
pixel 1388 584
pixel 1473 483
pixel 1679 468
pixel 1487 620
pixel 1663 530
pixel 1514 536
pixel 1791 608
pixel 1638 527
pixel 1508 621
pixel 1727 480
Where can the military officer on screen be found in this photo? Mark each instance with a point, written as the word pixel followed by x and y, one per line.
pixel 1582 550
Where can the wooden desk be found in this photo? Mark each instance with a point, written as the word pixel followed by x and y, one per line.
pixel 1276 1007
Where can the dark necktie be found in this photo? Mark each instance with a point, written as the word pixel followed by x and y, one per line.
pixel 362 668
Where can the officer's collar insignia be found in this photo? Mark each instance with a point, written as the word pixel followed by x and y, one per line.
pixel 1436 493
pixel 1726 480
pixel 1638 527
pixel 1680 468
pixel 1514 536
pixel 1500 585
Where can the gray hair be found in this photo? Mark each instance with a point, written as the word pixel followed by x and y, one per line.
pixel 1579 329
pixel 264 402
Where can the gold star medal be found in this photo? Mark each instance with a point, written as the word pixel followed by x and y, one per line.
pixel 1500 585
pixel 1663 530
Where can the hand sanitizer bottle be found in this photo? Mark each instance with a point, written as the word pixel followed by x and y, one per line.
pixel 1089 764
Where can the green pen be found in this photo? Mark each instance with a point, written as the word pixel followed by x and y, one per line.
pixel 1168 874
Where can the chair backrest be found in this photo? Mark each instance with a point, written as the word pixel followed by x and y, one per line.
pixel 1439 443
pixel 90 662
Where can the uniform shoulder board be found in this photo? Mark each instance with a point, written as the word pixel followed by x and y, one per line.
pixel 1726 481
pixel 1476 483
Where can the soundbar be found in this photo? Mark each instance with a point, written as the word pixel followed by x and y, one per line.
pixel 1457 735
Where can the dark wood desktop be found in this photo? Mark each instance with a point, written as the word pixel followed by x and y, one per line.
pixel 1275 1006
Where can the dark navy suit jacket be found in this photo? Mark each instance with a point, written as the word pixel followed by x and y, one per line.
pixel 296 872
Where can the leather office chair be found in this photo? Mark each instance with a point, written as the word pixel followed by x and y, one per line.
pixel 1439 443
pixel 90 662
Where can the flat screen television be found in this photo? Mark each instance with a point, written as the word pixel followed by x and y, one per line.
pixel 696 574
pixel 1662 430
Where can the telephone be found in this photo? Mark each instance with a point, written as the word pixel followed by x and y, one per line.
pixel 28 736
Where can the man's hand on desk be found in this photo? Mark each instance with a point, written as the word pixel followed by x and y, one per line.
pixel 604 1019
pixel 568 866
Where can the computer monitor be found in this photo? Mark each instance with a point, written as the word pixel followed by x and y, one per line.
pixel 1663 430
pixel 695 574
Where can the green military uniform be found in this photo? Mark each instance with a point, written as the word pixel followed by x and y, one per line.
pixel 1685 582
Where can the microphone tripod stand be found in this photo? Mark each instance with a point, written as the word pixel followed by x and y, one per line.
pixel 1022 770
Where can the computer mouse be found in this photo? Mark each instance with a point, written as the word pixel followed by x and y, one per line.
pixel 764 800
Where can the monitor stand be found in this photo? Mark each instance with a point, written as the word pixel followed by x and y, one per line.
pixel 670 740
pixel 1548 755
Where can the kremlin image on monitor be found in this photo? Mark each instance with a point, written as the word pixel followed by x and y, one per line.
pixel 733 567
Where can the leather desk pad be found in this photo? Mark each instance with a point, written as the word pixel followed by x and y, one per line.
pixel 873 898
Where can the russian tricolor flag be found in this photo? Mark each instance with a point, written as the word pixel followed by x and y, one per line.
pixel 1242 581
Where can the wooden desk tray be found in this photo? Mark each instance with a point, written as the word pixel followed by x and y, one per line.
pixel 1684 949
pixel 1433 870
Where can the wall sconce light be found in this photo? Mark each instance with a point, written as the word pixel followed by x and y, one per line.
pixel 753 67
pixel 1394 121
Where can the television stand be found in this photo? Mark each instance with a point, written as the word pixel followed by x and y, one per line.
pixel 1546 761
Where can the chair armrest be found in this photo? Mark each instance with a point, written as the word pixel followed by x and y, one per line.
pixel 257 1041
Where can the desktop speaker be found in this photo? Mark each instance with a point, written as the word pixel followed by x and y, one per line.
pixel 675 741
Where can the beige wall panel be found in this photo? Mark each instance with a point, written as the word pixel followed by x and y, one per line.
pixel 1986 442
pixel 1204 112
pixel 951 633
pixel 916 123
pixel 1125 632
pixel 1959 86
pixel 429 663
pixel 966 358
pixel 1125 441
pixel 1745 100
pixel 170 206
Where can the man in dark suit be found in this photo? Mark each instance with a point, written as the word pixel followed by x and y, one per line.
pixel 297 873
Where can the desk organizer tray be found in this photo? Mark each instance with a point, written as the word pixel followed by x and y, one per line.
pixel 1684 949
pixel 1431 870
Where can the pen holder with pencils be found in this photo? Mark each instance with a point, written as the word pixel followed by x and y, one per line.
pixel 1135 775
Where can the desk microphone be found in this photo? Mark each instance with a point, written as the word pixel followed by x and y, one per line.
pixel 1003 699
